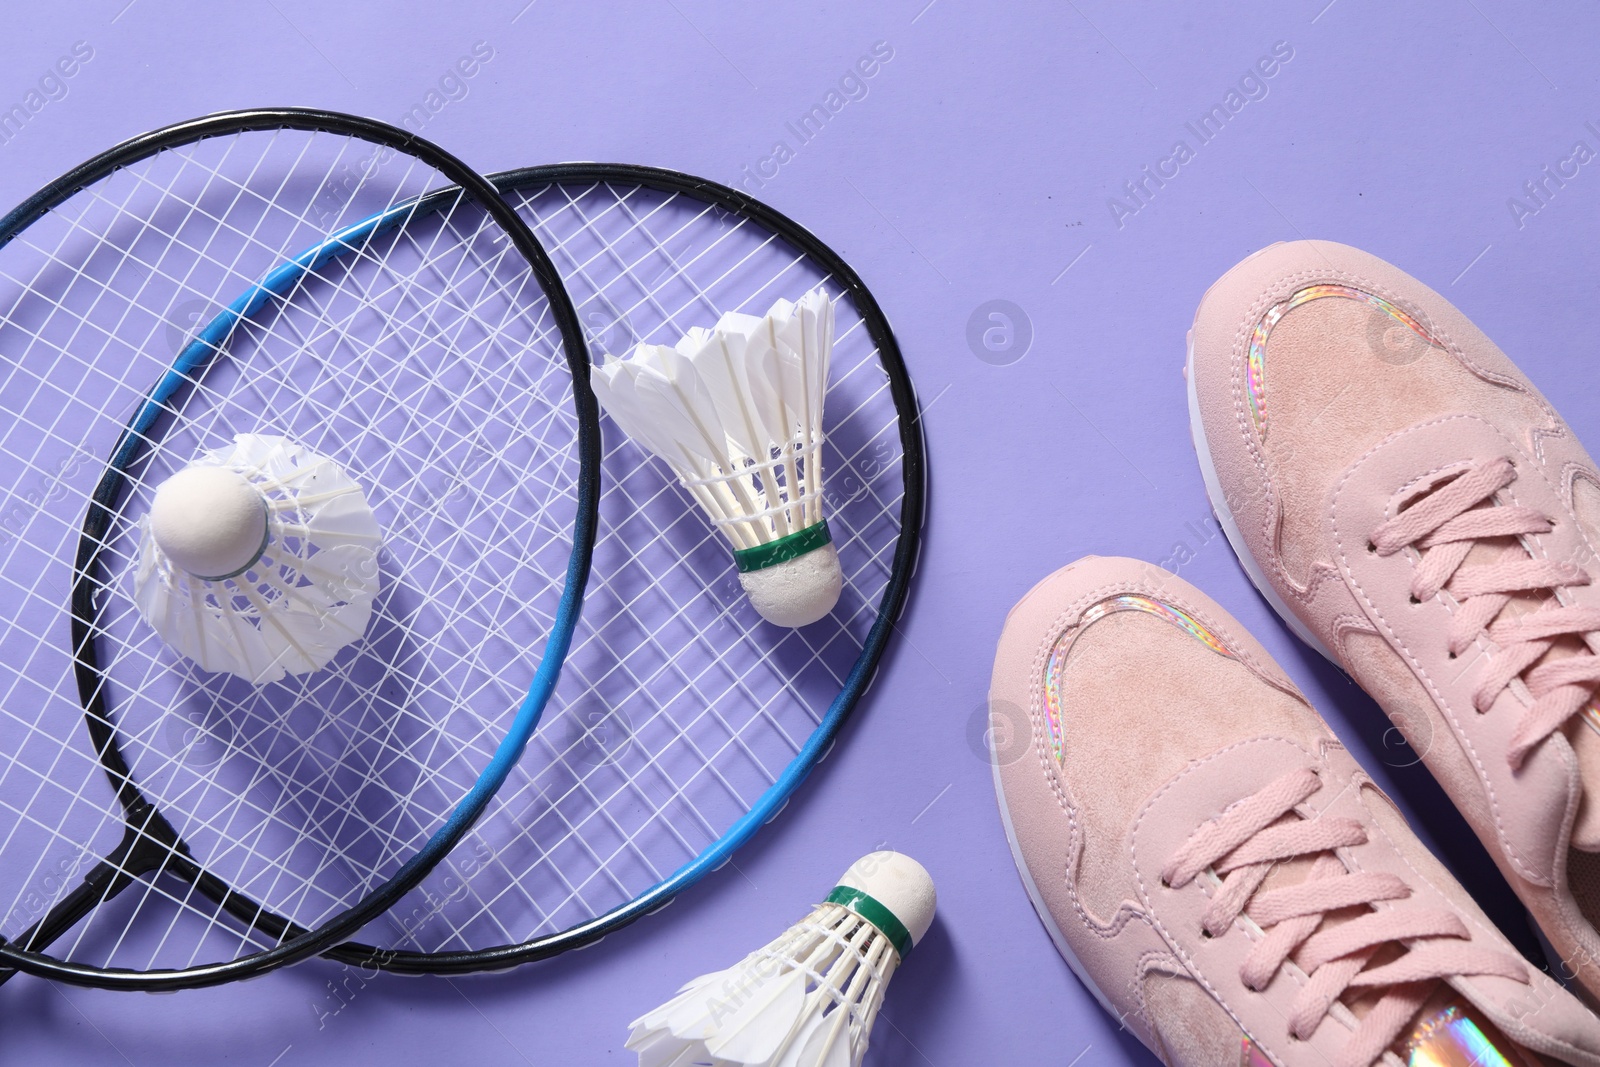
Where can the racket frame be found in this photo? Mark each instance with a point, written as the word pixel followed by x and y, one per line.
pixel 890 607
pixel 149 839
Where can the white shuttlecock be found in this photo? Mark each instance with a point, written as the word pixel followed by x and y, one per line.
pixel 808 999
pixel 260 559
pixel 736 411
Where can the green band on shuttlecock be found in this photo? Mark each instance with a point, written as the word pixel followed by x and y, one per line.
pixel 791 546
pixel 875 913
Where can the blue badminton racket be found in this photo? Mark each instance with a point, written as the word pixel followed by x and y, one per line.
pixel 683 722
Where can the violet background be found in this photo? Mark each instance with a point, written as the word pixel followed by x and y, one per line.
pixel 977 167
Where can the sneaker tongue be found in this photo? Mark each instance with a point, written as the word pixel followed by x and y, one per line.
pixel 1585 741
pixel 1286 873
pixel 1579 733
pixel 1294 871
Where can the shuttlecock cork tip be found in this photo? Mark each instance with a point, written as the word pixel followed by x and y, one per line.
pixel 209 521
pixel 796 591
pixel 898 883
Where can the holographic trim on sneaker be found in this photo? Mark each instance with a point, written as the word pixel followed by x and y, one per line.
pixel 1251 1056
pixel 1448 1038
pixel 1255 374
pixel 1451 1039
pixel 1056 667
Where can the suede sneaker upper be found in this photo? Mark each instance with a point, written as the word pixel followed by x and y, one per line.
pixel 1416 510
pixel 1216 867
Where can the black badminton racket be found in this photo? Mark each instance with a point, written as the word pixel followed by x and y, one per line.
pixel 303 302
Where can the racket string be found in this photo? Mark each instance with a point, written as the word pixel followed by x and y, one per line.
pixel 748 721
pixel 468 323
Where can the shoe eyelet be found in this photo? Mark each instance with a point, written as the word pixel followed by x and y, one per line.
pixel 1207 934
pixel 1372 549
pixel 1413 599
pixel 1451 655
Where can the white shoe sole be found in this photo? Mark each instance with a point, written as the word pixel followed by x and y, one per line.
pixel 1049 922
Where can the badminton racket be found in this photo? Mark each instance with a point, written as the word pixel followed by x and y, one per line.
pixel 682 723
pixel 165 825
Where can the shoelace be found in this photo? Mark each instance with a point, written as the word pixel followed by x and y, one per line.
pixel 1447 524
pixel 1243 845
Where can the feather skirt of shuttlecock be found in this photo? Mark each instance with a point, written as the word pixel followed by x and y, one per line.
pixel 809 999
pixel 736 411
pixel 308 595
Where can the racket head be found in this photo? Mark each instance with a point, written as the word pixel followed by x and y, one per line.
pixel 179 290
pixel 683 722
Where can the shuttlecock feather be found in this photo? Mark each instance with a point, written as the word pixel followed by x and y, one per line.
pixel 736 411
pixel 808 999
pixel 259 559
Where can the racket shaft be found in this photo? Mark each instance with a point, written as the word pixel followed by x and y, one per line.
pixel 148 842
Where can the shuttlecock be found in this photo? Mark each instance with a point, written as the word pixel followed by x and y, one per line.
pixel 736 411
pixel 808 999
pixel 260 559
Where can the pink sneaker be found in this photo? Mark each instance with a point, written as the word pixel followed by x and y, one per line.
pixel 1415 510
pixel 1214 865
